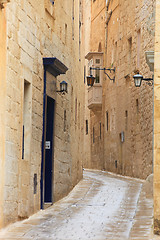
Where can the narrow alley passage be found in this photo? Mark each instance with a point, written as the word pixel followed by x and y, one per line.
pixel 102 206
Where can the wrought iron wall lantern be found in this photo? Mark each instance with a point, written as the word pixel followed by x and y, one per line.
pixel 63 87
pixel 91 78
pixel 138 78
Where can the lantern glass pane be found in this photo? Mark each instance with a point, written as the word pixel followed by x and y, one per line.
pixel 63 86
pixel 137 82
pixel 90 80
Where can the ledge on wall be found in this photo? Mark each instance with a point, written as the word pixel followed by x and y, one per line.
pixel 54 66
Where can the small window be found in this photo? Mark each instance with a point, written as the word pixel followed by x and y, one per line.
pixel 129 52
pixel 98 61
pixel 116 164
pixel 137 110
pixel 100 47
pixel 26 130
pixel 23 143
pixel 65 120
pixel 93 135
pixel 35 183
pixel 79 114
pixel 130 43
pixel 75 110
pixel 65 33
pixel 126 119
pixel 86 127
pixel 137 105
pixel 107 121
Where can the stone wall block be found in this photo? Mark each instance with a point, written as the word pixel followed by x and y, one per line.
pixel 13 62
pixel 26 60
pixel 26 46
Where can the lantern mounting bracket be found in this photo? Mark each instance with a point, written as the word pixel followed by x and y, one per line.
pixel 104 69
pixel 149 81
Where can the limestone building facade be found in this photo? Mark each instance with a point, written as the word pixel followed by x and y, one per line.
pixel 40 128
pixel 128 137
pixel 121 127
pixel 94 42
pixel 157 123
pixel 2 96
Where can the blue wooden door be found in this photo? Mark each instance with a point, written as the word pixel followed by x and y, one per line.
pixel 49 150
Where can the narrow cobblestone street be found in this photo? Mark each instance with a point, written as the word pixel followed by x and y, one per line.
pixel 102 206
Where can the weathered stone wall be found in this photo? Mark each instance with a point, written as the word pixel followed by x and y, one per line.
pixel 126 145
pixel 97 37
pixel 2 104
pixel 157 124
pixel 36 30
pixel 130 32
pixel 87 134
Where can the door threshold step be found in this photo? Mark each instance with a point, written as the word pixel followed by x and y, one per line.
pixel 47 205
